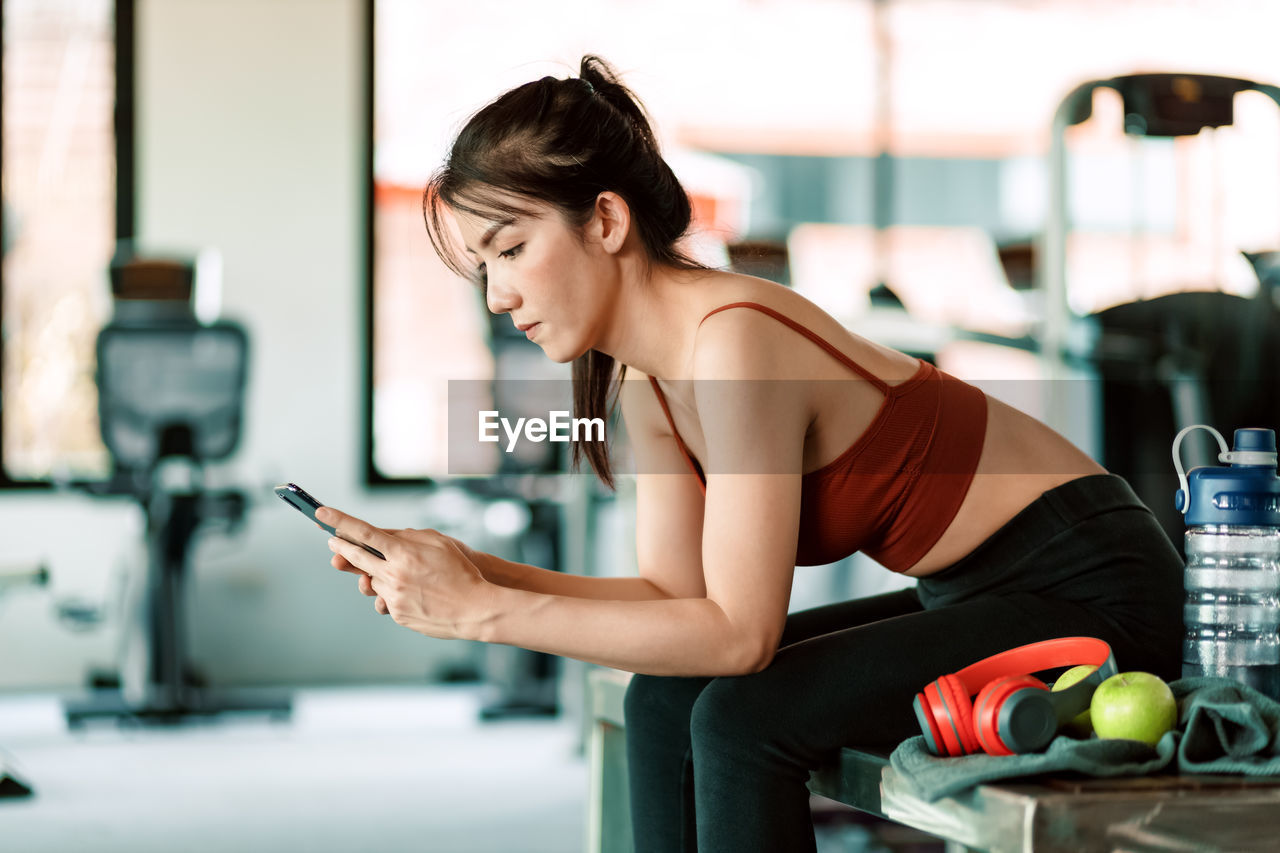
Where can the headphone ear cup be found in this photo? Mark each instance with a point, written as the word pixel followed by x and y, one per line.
pixel 987 706
pixel 929 726
pixel 959 714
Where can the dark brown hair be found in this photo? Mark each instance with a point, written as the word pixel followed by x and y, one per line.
pixel 562 143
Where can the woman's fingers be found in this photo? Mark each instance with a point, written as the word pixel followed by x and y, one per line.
pixel 355 555
pixel 366 586
pixel 363 582
pixel 353 529
pixel 340 563
pixel 351 558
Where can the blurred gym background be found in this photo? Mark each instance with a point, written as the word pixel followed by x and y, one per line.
pixel 216 279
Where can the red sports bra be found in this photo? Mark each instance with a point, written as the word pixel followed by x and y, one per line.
pixel 893 492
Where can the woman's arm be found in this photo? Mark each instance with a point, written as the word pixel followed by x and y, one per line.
pixel 756 440
pixel 682 636
pixel 732 623
pixel 669 510
pixel 502 572
pixel 522 576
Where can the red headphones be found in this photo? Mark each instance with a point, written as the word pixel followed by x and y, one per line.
pixel 1013 712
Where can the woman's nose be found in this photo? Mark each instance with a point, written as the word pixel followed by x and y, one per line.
pixel 500 297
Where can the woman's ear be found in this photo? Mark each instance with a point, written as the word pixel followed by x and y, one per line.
pixel 612 221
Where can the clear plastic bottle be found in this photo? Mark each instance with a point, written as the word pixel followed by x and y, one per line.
pixel 1232 609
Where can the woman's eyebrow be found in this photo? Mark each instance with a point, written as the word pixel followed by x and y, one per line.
pixel 489 235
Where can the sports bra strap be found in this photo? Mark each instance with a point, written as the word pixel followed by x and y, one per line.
pixel 880 384
pixel 684 450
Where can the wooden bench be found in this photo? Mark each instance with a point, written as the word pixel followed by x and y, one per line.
pixel 1203 813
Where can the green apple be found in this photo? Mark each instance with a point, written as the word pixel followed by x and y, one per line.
pixel 1078 726
pixel 1133 706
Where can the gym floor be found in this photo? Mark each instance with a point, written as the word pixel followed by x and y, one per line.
pixel 390 769
pixel 367 769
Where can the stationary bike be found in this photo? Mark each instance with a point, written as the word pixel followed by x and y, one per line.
pixel 171 392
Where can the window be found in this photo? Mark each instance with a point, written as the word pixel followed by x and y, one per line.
pixel 67 173
pixel 774 114
pixel 435 63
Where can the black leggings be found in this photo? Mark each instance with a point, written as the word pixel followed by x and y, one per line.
pixel 720 764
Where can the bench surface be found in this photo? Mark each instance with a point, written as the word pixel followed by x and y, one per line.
pixel 1044 814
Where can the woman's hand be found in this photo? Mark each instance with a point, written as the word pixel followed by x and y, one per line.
pixel 427 582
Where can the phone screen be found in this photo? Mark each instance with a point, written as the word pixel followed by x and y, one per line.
pixel 301 500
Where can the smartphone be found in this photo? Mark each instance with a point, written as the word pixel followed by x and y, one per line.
pixel 298 498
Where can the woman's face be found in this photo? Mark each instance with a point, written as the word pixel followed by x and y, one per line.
pixel 538 270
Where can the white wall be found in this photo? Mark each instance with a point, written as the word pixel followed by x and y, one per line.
pixel 250 139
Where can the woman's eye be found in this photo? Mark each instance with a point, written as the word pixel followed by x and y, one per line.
pixel 512 252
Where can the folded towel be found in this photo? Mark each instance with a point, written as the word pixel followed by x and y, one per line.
pixel 1223 727
pixel 932 777
pixel 1227 727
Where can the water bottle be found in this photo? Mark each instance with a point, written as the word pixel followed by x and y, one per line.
pixel 1232 609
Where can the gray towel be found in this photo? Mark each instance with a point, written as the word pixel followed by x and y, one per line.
pixel 1223 727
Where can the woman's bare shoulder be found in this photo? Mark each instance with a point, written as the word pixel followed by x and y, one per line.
pixel 746 342
pixel 742 344
pixel 778 344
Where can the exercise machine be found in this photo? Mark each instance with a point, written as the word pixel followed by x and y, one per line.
pixel 171 391
pixel 1201 356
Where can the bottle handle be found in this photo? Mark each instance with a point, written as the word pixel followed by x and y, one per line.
pixel 1177 459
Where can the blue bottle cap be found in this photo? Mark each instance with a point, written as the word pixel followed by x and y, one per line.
pixel 1247 494
pixel 1255 440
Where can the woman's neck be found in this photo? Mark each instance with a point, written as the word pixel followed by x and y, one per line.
pixel 654 319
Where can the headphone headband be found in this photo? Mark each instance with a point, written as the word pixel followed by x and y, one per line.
pixel 1048 654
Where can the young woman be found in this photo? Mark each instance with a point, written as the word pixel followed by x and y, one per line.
pixel 796 442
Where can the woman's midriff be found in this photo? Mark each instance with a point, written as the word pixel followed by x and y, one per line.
pixel 1021 460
